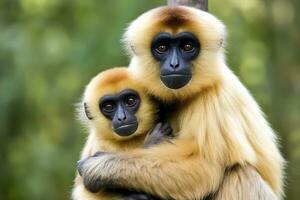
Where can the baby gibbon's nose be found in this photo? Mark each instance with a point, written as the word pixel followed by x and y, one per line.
pixel 121 115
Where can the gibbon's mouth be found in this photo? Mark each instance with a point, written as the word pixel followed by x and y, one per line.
pixel 175 81
pixel 126 129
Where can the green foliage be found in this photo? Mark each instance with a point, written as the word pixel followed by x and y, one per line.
pixel 51 48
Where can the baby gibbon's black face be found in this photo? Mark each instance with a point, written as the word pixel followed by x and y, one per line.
pixel 175 53
pixel 121 108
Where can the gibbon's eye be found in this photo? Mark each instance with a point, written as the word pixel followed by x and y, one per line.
pixel 108 106
pixel 188 47
pixel 162 48
pixel 130 101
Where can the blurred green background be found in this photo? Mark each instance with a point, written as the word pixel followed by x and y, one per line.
pixel 49 50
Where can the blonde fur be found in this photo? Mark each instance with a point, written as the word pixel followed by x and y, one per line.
pixel 244 183
pixel 223 116
pixel 101 136
pixel 217 122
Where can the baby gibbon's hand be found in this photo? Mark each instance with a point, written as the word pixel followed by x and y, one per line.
pixel 80 163
pixel 161 132
pixel 93 184
pixel 138 197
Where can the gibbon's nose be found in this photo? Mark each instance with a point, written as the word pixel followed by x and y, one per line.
pixel 121 116
pixel 124 122
pixel 174 63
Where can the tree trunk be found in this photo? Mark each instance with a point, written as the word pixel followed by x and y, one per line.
pixel 201 4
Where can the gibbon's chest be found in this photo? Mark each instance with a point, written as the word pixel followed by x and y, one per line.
pixel 123 146
pixel 183 116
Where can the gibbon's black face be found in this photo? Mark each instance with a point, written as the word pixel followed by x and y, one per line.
pixel 120 109
pixel 175 53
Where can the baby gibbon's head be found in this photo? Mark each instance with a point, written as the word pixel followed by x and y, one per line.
pixel 116 106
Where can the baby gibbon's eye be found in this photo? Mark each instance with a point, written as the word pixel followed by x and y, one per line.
pixel 108 106
pixel 130 101
pixel 188 47
pixel 162 48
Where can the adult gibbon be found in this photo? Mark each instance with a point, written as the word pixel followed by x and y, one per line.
pixel 118 114
pixel 224 148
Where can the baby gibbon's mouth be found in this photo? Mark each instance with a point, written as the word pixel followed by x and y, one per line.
pixel 126 129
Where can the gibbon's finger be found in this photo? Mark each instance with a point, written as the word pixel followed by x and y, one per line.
pixel 166 126
pixel 167 130
pixel 79 166
pixel 93 186
pixel 99 153
pixel 156 128
pixel 138 197
pixel 169 133
pixel 80 163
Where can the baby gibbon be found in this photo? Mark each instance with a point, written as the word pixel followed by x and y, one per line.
pixel 119 115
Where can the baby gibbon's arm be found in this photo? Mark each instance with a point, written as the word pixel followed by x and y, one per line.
pixel 170 170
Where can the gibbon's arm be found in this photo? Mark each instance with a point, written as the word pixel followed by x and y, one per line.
pixel 161 132
pixel 79 192
pixel 244 182
pixel 170 170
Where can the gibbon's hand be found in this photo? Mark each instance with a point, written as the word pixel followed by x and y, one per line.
pixel 92 169
pixel 161 132
pixel 139 197
pixel 81 162
pixel 91 184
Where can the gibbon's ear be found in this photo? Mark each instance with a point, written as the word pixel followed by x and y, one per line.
pixel 132 49
pixel 87 112
pixel 128 45
pixel 223 42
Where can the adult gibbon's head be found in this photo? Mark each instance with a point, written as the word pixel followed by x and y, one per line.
pixel 176 51
pixel 114 102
